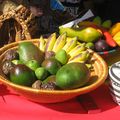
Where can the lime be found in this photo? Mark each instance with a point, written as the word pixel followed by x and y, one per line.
pixel 62 56
pixel 41 73
pixel 90 45
pixel 32 64
pixel 72 75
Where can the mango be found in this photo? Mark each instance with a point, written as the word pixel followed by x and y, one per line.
pixel 88 34
pixel 28 51
pixel 72 75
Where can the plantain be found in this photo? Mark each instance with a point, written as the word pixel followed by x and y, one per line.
pixel 50 42
pixel 42 44
pixel 60 42
pixel 77 50
pixel 82 57
pixel 70 44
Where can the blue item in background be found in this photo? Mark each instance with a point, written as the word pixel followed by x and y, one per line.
pixel 56 5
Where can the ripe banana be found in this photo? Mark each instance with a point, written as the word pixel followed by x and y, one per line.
pixel 42 44
pixel 77 50
pixel 60 42
pixel 50 42
pixel 72 38
pixel 82 57
pixel 70 44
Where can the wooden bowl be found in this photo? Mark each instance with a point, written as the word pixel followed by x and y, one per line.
pixel 98 76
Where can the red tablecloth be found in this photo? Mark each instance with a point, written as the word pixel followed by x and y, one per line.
pixel 14 107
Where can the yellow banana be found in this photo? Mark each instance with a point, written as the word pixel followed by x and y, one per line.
pixel 82 57
pixel 77 50
pixel 70 44
pixel 60 42
pixel 69 38
pixel 50 42
pixel 42 44
pixel 72 38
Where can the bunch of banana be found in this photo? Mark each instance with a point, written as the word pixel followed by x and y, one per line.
pixel 76 51
pixel 81 57
pixel 42 44
pixel 115 32
pixel 60 42
pixel 70 44
pixel 50 42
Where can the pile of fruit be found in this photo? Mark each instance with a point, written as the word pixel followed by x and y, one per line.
pixel 54 63
pixel 98 34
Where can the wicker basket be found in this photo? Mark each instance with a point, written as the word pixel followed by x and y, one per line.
pixel 98 76
pixel 17 24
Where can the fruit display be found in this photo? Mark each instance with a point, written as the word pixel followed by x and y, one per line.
pixel 99 35
pixel 57 63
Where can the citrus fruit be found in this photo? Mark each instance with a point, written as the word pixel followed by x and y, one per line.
pixel 90 45
pixel 72 75
pixel 62 56
pixel 41 73
pixel 32 64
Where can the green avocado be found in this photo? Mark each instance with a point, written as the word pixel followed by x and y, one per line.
pixel 28 51
pixel 22 75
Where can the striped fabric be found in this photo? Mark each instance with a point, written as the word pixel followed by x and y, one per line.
pixel 114 83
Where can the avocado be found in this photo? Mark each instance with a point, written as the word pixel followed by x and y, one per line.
pixel 28 51
pixel 22 75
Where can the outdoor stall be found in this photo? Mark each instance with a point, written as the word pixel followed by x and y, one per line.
pixel 59 59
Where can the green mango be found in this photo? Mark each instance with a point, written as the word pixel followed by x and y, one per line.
pixel 88 34
pixel 28 51
pixel 97 20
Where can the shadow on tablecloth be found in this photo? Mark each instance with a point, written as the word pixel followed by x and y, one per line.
pixel 101 96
